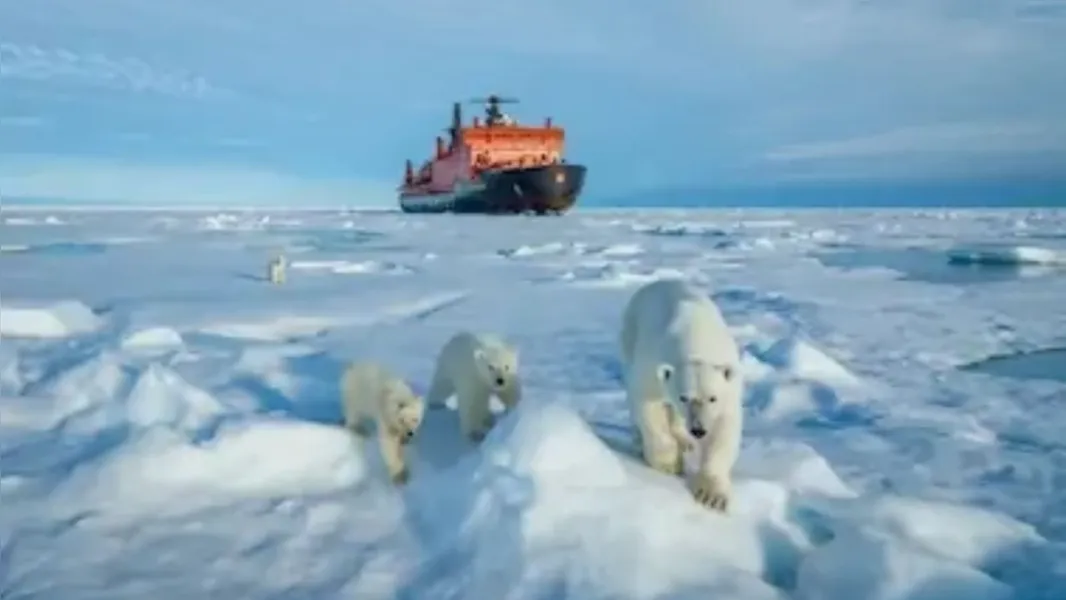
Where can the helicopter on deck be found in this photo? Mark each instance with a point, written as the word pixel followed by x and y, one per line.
pixel 493 115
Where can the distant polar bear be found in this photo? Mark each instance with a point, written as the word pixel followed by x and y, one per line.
pixel 474 367
pixel 372 393
pixel 679 360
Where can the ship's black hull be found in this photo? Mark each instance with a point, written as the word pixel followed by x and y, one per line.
pixel 550 189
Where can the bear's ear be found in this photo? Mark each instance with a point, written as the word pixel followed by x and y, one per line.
pixel 479 356
pixel 665 372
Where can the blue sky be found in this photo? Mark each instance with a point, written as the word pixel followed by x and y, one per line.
pixel 320 101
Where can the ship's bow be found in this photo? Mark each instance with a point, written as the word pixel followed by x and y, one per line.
pixel 544 189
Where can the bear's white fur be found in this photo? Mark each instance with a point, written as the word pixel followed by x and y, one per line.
pixel 276 269
pixel 474 367
pixel 372 393
pixel 683 382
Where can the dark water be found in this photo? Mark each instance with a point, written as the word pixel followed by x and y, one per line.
pixel 1048 364
pixel 930 265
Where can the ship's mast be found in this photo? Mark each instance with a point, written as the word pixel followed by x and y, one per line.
pixel 456 130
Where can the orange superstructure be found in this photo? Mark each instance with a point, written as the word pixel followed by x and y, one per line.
pixel 513 145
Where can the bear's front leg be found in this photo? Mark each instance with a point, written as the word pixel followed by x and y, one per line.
pixel 661 451
pixel 511 395
pixel 392 454
pixel 713 485
pixel 475 419
pixel 679 429
pixel 712 491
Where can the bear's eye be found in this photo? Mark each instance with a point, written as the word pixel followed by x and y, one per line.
pixel 727 373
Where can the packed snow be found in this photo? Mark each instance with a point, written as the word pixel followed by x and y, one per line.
pixel 170 420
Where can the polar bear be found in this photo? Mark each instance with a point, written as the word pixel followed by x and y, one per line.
pixel 683 384
pixel 372 393
pixel 474 367
pixel 276 269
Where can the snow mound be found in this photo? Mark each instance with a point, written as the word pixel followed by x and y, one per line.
pixel 232 222
pixel 766 223
pixel 1006 256
pixel 275 329
pixel 681 229
pixel 548 506
pixel 160 397
pixel 802 360
pixel 861 564
pixel 572 248
pixel 59 320
pixel 792 378
pixel 969 535
pixel 344 267
pixel 11 379
pixel 29 221
pixel 162 474
pixel 620 250
pixel 102 394
pixel 615 275
pixel 797 466
pixel 538 250
pixel 83 396
pixel 153 339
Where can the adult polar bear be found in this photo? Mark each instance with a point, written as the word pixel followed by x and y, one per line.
pixel 682 366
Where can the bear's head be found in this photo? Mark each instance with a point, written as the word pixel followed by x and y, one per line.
pixel 704 390
pixel 497 365
pixel 404 411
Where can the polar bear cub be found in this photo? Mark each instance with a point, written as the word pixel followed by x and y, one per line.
pixel 475 367
pixel 372 393
pixel 276 269
pixel 683 384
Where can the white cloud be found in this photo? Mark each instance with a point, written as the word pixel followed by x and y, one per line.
pixel 34 63
pixel 104 181
pixel 962 139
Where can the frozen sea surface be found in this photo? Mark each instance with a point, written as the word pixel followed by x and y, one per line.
pixel 168 419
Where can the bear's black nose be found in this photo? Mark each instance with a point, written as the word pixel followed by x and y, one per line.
pixel 698 431
pixel 499 381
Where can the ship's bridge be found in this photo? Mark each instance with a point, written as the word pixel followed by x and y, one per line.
pixel 505 143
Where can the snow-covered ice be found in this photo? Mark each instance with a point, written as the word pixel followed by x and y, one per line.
pixel 169 421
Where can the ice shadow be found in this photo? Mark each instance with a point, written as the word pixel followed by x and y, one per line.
pixel 249 276
pixel 311 393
